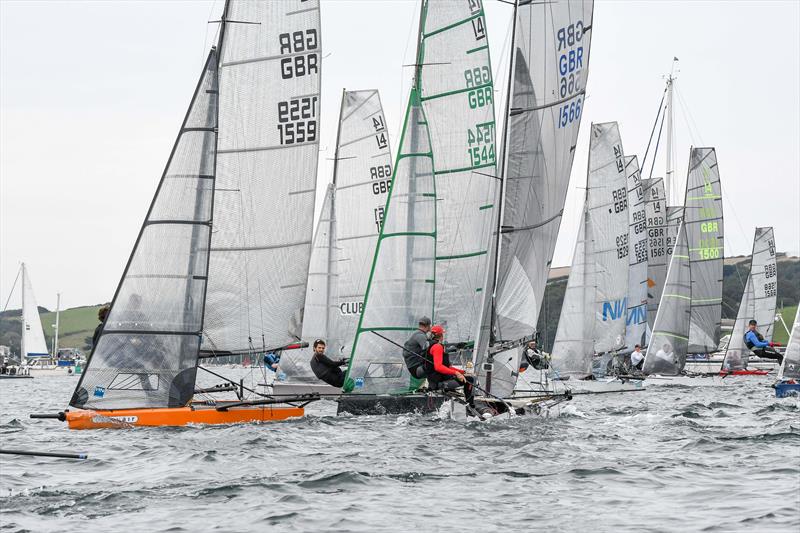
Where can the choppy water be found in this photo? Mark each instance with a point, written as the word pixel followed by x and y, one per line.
pixel 667 459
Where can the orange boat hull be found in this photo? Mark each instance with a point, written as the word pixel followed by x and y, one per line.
pixel 178 416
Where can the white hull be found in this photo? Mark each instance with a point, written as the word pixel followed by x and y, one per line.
pixel 713 366
pixel 50 372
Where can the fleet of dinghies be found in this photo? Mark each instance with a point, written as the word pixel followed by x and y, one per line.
pixel 461 227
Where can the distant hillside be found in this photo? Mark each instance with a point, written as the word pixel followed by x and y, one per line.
pixel 735 271
pixel 76 327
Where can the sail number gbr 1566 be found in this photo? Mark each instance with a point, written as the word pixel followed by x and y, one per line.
pixel 571 57
pixel 297 120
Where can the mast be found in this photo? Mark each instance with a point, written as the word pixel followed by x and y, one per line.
pixel 22 350
pixel 55 336
pixel 332 222
pixel 668 184
pixel 503 168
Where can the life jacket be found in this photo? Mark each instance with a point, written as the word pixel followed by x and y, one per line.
pixel 429 370
pixel 749 344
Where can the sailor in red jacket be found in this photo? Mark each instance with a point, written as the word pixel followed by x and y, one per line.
pixel 439 372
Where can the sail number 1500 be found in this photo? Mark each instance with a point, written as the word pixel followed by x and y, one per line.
pixel 568 113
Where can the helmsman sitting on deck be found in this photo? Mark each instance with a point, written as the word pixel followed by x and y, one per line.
pixel 637 358
pixel 441 376
pixel 325 368
pixel 755 341
pixel 416 348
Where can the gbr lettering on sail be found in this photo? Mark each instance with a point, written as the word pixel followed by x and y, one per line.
pixel 571 61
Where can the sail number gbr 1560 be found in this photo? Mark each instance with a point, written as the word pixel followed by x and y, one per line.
pixel 297 120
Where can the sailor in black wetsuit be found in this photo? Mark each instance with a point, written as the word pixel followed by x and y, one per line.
pixel 325 368
pixel 416 348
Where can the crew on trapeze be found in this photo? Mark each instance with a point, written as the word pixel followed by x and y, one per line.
pixel 325 368
pixel 756 343
pixel 533 357
pixel 433 362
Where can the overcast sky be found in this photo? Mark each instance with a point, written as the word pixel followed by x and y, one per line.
pixel 92 95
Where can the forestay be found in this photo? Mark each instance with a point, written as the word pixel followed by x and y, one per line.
pixel 32 343
pixel 266 174
pixel 758 299
pixel 147 352
pixel 704 231
pixel 666 353
pixel 636 303
pixel 400 288
pixel 457 96
pixel 790 368
pixel 551 62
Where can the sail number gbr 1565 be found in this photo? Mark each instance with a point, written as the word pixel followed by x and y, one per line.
pixel 297 120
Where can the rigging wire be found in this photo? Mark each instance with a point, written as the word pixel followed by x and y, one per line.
pixel 19 271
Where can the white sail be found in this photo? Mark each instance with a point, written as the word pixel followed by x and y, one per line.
pixel 607 224
pixel 759 299
pixel 363 179
pixel 598 289
pixel 636 304
pixel 457 95
pixel 269 84
pixel 666 353
pixel 704 230
pixel 32 343
pixel 551 66
pixel 790 368
pixel 656 221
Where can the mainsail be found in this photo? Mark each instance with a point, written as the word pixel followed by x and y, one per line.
pixel 32 343
pixel 439 215
pixel 550 69
pixel 704 231
pixel 790 368
pixel 348 228
pixel 666 353
pixel 758 299
pixel 147 352
pixel 269 84
pixel 636 304
pixel 656 221
pixel 595 297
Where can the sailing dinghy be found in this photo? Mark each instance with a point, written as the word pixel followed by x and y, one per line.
pixel 549 68
pixel 789 375
pixel 220 264
pixel 758 302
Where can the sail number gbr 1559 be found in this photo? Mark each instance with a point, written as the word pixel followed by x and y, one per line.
pixel 297 120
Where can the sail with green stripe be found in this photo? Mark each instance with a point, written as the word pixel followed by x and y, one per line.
pixel 457 95
pixel 704 231
pixel 400 289
pixel 666 353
